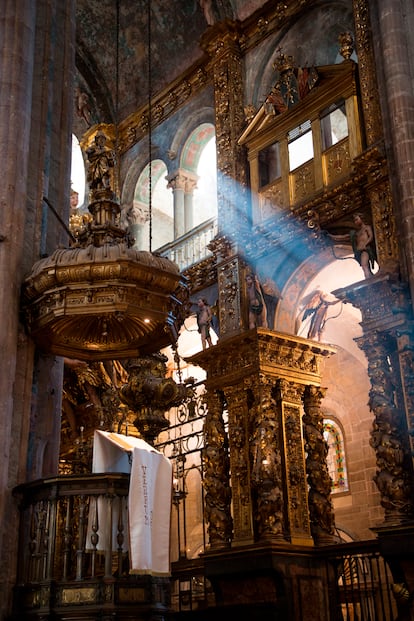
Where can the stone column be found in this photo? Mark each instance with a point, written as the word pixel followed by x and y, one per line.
pixel 183 183
pixel 190 186
pixel 137 216
pixel 36 82
pixel 396 61
pixel 177 182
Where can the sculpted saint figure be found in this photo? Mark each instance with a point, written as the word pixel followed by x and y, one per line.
pixel 101 160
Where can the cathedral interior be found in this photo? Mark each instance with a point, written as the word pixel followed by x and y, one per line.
pixel 207 268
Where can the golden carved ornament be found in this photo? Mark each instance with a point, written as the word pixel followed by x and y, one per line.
pixel 102 299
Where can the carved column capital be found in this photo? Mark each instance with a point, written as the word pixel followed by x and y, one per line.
pixel 138 213
pixel 176 180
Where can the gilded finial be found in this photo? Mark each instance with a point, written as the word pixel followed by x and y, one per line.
pixel 284 62
pixel 346 42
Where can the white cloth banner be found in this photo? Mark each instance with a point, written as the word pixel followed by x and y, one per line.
pixel 149 507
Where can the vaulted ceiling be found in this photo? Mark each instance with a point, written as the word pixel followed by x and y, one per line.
pixel 114 36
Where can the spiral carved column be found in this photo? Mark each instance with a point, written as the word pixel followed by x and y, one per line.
pixel 388 346
pixel 266 457
pixel 217 492
pixel 322 519
pixel 237 399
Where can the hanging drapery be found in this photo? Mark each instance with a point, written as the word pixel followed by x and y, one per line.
pixel 149 505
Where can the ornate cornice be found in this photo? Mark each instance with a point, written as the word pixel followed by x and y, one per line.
pixel 278 355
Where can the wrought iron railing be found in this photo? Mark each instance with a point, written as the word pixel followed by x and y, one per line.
pixel 364 585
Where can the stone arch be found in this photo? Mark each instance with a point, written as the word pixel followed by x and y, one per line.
pixel 150 230
pixel 202 116
pixel 194 145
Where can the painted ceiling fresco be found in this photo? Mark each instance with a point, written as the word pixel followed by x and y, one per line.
pixel 112 43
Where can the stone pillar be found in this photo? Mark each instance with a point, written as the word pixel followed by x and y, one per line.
pixel 177 182
pixel 190 186
pixel 396 60
pixel 137 216
pixel 36 82
pixel 183 183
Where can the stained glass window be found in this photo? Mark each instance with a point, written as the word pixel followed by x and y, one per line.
pixel 336 456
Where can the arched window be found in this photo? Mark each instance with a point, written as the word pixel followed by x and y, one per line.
pixel 199 157
pixel 162 224
pixel 77 172
pixel 205 194
pixel 336 456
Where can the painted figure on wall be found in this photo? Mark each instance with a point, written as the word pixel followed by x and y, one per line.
pixel 316 311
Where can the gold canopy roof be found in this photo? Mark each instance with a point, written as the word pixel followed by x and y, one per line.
pixel 102 298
